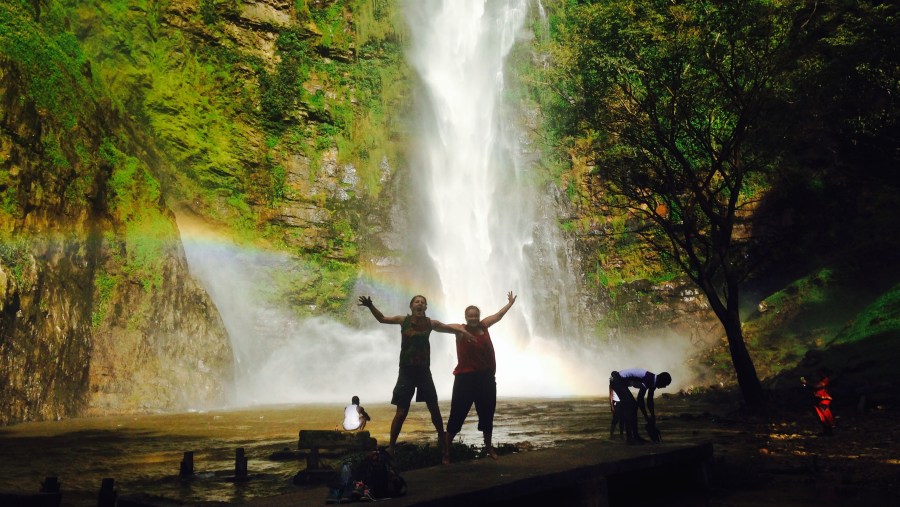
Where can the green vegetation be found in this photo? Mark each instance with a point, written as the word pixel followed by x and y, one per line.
pixel 817 316
pixel 211 10
pixel 105 286
pixel 54 75
pixel 15 257
pixel 51 68
pixel 229 119
pixel 805 314
pixel 280 92
pixel 184 94
pixel 695 128
pixel 334 23
pixel 376 22
pixel 136 201
pixel 880 318
pixel 353 106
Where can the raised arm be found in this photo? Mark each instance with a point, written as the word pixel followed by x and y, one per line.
pixel 490 320
pixel 367 302
pixel 457 329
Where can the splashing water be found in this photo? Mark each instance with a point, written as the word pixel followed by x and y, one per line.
pixel 278 357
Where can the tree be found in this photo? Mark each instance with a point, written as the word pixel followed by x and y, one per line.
pixel 671 93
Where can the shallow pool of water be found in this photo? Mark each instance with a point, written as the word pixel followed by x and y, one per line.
pixel 143 453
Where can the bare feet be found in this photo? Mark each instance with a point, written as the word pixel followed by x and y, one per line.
pixel 492 453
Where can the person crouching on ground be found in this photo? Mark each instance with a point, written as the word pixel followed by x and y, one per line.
pixel 355 416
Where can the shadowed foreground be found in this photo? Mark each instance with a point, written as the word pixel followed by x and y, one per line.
pixel 588 474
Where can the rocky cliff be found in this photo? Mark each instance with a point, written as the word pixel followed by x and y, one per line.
pixel 273 120
pixel 281 119
pixel 98 312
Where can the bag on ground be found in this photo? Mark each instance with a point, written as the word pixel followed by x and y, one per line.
pixel 382 479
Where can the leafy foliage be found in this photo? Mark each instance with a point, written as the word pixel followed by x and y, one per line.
pixel 105 285
pixel 672 93
pixel 15 256
pixel 279 93
pixel 334 22
pixel 726 137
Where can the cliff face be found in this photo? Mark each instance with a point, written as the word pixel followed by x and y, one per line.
pixel 281 120
pixel 161 350
pixel 272 119
pixel 97 310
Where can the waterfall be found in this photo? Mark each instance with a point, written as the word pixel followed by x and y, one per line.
pixel 486 227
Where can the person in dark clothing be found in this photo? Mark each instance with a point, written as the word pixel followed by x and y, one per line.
pixel 617 419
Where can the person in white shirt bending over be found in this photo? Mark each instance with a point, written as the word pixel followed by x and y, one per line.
pixel 647 382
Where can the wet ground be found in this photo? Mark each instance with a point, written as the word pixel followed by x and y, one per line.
pixel 782 458
pixel 775 459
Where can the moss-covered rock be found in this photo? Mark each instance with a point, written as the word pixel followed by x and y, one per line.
pixel 98 312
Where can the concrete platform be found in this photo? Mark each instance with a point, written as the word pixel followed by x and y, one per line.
pixel 591 474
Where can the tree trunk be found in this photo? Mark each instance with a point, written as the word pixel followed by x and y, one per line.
pixel 748 381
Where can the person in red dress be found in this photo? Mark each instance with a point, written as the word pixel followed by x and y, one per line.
pixel 823 400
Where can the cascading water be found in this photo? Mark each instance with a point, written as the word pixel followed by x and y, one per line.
pixel 487 232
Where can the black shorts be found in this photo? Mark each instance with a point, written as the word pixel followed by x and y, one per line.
pixel 413 379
